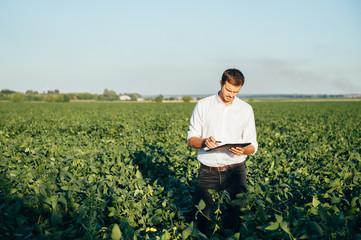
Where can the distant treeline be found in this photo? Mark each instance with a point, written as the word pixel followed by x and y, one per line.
pixel 57 96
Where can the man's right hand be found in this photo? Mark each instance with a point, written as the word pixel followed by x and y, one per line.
pixel 197 142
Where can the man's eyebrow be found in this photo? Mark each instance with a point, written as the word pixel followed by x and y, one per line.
pixel 230 90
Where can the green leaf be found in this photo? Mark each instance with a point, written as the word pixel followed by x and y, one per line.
pixel 315 227
pixel 315 201
pixel 284 227
pixel 273 226
pixel 186 233
pixel 138 175
pixel 111 211
pixel 165 236
pixel 278 218
pixel 116 233
pixel 237 236
pixel 158 212
pixel 201 205
pixel 335 200
pixel 354 202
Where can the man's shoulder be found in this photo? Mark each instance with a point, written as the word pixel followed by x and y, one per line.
pixel 243 104
pixel 206 100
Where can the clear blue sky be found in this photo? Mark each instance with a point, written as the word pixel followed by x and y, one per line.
pixel 180 47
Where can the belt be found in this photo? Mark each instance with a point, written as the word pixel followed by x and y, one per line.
pixel 222 168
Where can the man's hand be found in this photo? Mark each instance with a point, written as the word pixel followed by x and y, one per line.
pixel 197 142
pixel 210 142
pixel 242 151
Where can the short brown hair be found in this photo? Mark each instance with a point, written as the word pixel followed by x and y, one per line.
pixel 233 76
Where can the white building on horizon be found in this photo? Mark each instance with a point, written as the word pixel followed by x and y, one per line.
pixel 124 98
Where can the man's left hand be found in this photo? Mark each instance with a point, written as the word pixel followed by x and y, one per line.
pixel 242 151
pixel 237 150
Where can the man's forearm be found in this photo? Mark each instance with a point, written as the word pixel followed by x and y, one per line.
pixel 249 150
pixel 196 142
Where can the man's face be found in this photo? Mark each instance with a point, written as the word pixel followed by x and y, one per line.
pixel 228 92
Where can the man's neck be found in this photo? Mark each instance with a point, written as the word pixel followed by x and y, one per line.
pixel 221 97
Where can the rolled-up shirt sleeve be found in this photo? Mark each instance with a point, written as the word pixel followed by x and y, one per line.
pixel 250 134
pixel 195 123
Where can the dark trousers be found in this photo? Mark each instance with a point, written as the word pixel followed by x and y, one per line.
pixel 232 180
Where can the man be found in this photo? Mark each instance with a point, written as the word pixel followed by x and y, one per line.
pixel 217 120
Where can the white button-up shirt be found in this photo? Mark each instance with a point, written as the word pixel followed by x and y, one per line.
pixel 232 123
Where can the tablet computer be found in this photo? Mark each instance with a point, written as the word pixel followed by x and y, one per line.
pixel 226 147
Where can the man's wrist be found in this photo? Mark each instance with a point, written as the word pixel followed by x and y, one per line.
pixel 203 143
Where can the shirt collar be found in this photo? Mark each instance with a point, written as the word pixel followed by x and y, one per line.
pixel 219 100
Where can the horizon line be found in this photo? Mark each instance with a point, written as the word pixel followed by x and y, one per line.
pixel 187 94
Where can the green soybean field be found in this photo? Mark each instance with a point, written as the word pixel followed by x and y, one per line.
pixel 124 171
